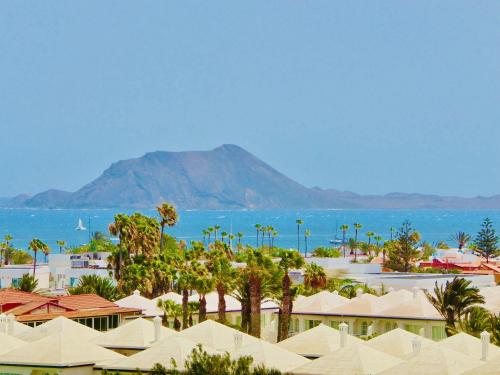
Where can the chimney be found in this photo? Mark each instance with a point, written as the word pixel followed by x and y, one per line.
pixel 238 340
pixel 359 292
pixel 10 323
pixel 415 291
pixel 390 290
pixel 336 292
pixel 136 293
pixel 343 328
pixel 485 345
pixel 157 327
pixel 416 344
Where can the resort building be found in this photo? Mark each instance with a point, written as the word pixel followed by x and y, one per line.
pixel 11 275
pixel 88 309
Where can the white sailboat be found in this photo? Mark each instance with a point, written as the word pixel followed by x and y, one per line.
pixel 80 225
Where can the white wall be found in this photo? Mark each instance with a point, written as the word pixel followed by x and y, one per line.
pixel 9 274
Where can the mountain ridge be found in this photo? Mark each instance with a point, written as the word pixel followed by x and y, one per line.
pixel 227 177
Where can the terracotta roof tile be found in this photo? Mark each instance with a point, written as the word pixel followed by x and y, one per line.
pixel 16 296
pixel 79 314
pixel 84 302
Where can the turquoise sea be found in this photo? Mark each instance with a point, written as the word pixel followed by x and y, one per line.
pixel 434 225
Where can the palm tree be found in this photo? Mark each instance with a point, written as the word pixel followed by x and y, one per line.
pixel 314 277
pixel 216 229
pixel 344 228
pixel 307 234
pixel 462 239
pixel 257 228
pixel 231 240
pixel 61 245
pixel 168 216
pixel 299 222
pixel 93 284
pixel 27 283
pixel 352 247
pixel 274 235
pixel 171 310
pixel 224 276
pixel 370 235
pixel 210 231
pixel 378 239
pixel 223 235
pixel 46 252
pixel 240 236
pixel 7 249
pixel 206 234
pixel 357 228
pixel 453 299
pixel 203 284
pixel 392 230
pixel 289 259
pixel 193 307
pixel 36 245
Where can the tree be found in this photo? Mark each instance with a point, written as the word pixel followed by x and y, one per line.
pixel 257 228
pixel 357 228
pixel 27 283
pixel 224 276
pixel 216 229
pixel 392 230
pixel 223 235
pixel 289 259
pixel 168 216
pixel 402 252
pixel 203 283
pixel 210 231
pixel 94 284
pixel 486 240
pixel 353 245
pixel 453 299
pixel 6 250
pixel 62 245
pixel 314 277
pixel 200 362
pixel 307 234
pixel 46 252
pixel 299 222
pixel 36 245
pixel 370 234
pixel 344 228
pixel 240 236
pixel 171 310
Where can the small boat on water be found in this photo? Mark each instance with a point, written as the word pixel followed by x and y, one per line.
pixel 80 225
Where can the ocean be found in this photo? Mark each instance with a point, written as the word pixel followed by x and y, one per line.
pixel 434 225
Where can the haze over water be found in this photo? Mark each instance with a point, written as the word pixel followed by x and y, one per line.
pixel 434 225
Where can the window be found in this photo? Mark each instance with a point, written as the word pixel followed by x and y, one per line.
pixel 312 323
pixel 15 282
pixel 97 324
pixel 438 333
pixel 294 326
pixel 413 328
pixel 114 321
pixel 364 328
pixel 389 326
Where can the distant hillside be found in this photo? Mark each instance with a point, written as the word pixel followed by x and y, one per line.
pixel 227 177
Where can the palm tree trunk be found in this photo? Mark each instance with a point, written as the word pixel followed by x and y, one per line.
pixel 202 314
pixel 222 302
pixel 161 236
pixel 245 315
pixel 185 296
pixel 285 309
pixel 255 298
pixel 298 237
pixel 34 265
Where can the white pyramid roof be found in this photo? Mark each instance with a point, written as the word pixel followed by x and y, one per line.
pixel 418 307
pixel 19 328
pixel 316 342
pixel 468 345
pixel 136 334
pixel 7 343
pixel 215 335
pixel 164 351
pixel 397 342
pixel 321 302
pixel 491 367
pixel 60 325
pixel 395 298
pixel 356 359
pixel 364 305
pixel 212 298
pixel 170 296
pixel 435 360
pixel 136 301
pixel 59 349
pixel 270 355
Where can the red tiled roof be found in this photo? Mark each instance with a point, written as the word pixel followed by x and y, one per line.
pixel 84 302
pixel 79 314
pixel 8 296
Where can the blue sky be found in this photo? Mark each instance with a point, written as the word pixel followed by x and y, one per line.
pixel 366 96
